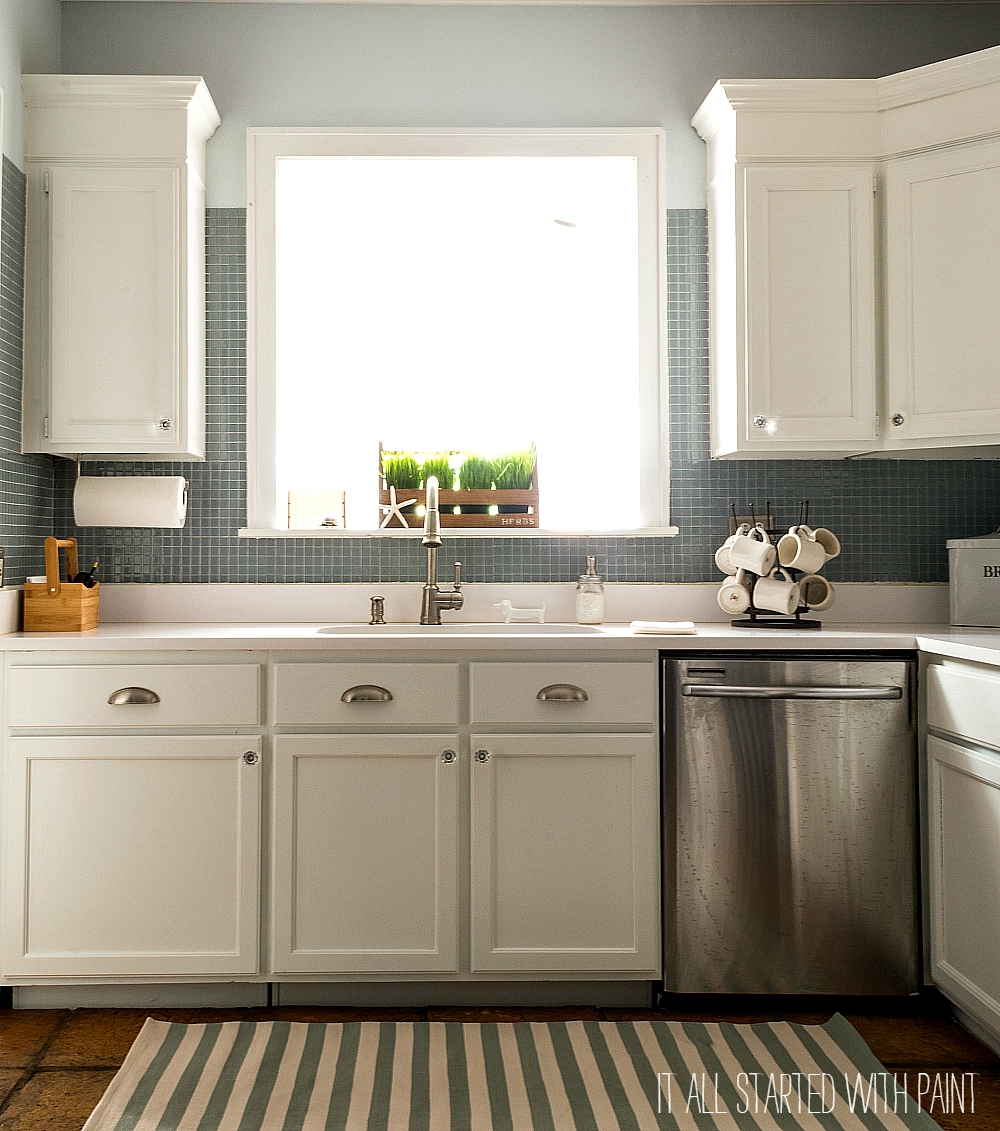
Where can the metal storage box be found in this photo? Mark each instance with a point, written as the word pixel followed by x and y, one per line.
pixel 974 580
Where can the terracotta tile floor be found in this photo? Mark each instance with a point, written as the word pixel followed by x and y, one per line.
pixel 55 1064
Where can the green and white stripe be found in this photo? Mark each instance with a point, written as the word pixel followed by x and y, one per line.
pixel 532 1076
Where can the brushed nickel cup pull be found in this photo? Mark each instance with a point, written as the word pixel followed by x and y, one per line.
pixel 128 696
pixel 563 693
pixel 366 693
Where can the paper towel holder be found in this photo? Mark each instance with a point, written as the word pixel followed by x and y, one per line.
pixel 130 500
pixel 80 475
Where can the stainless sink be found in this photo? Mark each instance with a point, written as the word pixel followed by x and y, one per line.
pixel 458 629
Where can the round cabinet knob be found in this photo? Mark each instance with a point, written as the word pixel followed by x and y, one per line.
pixel 760 422
pixel 448 757
pixel 251 758
pixel 482 756
pixel 898 418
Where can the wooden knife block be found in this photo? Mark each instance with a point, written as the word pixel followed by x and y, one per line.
pixel 60 606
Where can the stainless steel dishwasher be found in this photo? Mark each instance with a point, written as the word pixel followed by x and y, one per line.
pixel 790 824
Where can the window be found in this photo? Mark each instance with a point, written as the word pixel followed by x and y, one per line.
pixel 458 292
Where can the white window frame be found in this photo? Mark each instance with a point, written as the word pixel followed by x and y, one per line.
pixel 265 146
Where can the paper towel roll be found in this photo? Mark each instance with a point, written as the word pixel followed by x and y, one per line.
pixel 130 500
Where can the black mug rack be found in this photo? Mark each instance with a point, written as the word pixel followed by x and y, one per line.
pixel 760 618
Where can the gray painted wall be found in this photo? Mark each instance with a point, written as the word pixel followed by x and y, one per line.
pixel 29 41
pixel 455 65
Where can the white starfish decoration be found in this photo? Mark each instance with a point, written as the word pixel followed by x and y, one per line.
pixel 393 508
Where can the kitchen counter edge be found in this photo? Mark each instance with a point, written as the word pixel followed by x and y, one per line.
pixel 978 645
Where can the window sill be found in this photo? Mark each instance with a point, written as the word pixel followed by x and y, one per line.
pixel 498 532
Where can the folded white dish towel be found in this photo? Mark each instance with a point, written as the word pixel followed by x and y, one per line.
pixel 664 627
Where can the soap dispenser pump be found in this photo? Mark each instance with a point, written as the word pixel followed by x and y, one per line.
pixel 590 594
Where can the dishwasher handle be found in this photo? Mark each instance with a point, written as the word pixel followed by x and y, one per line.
pixel 722 691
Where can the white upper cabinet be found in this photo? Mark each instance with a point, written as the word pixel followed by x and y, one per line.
pixel 845 319
pixel 115 265
pixel 942 282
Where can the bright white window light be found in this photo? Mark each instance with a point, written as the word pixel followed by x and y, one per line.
pixel 474 303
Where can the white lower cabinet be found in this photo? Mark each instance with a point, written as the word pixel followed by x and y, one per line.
pixel 565 853
pixel 128 856
pixel 365 853
pixel 964 832
pixel 453 820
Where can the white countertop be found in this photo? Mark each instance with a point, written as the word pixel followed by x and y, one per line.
pixel 981 645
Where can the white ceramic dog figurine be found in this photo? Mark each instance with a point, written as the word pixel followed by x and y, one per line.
pixel 509 613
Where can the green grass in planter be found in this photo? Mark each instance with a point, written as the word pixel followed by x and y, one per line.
pixel 438 466
pixel 401 470
pixel 475 474
pixel 514 472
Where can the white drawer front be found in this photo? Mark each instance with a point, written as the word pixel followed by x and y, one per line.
pixel 966 703
pixel 616 693
pixel 190 695
pixel 307 694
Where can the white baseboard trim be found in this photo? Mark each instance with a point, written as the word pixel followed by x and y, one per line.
pixel 977 1027
pixel 385 995
pixel 218 995
pixel 370 995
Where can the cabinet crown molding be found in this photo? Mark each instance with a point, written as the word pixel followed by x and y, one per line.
pixel 160 92
pixel 950 76
pixel 978 71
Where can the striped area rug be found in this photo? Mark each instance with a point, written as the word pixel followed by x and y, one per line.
pixel 545 1076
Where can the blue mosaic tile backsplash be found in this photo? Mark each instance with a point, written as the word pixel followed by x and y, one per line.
pixel 26 482
pixel 893 516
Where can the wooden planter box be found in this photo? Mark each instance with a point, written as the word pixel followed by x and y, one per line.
pixel 449 499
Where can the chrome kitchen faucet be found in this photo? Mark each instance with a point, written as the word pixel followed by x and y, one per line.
pixel 433 599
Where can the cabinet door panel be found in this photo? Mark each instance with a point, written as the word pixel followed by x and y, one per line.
pixel 365 843
pixel 565 850
pixel 810 314
pixel 115 280
pixel 131 856
pixel 964 826
pixel 942 279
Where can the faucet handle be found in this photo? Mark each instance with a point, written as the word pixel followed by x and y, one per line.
pixel 458 575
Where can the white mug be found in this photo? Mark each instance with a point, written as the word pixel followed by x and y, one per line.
pixel 777 593
pixel 733 595
pixel 753 553
pixel 798 549
pixel 828 540
pixel 817 592
pixel 722 553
